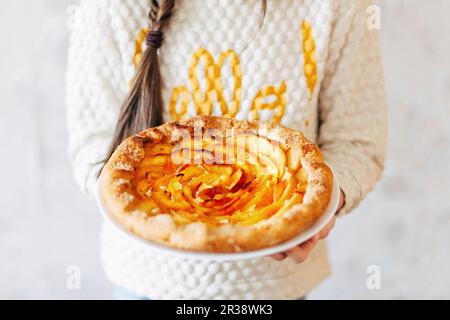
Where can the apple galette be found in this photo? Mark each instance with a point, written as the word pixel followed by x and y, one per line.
pixel 216 184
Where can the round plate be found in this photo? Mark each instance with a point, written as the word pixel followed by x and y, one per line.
pixel 303 237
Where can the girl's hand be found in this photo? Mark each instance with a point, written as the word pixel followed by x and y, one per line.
pixel 300 253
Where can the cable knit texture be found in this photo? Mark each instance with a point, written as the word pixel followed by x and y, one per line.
pixel 314 66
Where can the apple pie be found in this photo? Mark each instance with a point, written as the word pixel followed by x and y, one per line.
pixel 216 184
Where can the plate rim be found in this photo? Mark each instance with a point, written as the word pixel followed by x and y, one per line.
pixel 225 257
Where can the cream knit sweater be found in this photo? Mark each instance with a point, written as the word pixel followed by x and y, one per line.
pixel 315 66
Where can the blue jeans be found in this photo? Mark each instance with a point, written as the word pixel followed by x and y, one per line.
pixel 120 293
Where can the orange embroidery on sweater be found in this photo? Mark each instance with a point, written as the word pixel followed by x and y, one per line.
pixel 309 53
pixel 278 104
pixel 179 114
pixel 213 90
pixel 236 71
pixel 138 46
pixel 204 102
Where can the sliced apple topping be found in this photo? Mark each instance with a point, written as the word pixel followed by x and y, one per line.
pixel 244 180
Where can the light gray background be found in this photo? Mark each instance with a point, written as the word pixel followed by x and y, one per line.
pixel 403 227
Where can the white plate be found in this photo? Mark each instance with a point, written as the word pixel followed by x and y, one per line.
pixel 304 236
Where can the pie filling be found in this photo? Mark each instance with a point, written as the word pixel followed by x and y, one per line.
pixel 242 181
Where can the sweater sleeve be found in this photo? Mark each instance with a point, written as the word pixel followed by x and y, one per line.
pixel 352 104
pixel 94 90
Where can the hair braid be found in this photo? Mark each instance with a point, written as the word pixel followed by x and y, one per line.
pixel 143 106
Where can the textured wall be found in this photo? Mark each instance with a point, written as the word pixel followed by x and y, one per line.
pixel 403 227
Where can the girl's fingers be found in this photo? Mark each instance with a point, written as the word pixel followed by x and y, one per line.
pixel 296 254
pixel 300 254
pixel 279 256
pixel 326 231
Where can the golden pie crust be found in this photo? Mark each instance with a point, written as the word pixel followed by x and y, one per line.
pixel 216 184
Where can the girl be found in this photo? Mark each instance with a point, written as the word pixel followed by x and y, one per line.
pixel 309 65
